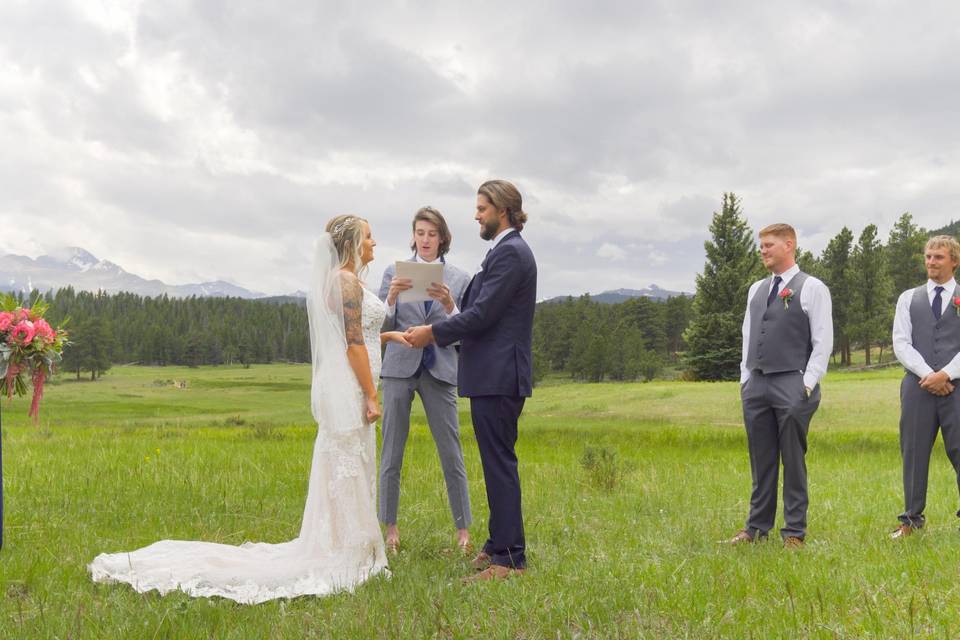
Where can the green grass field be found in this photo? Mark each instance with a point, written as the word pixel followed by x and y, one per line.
pixel 130 459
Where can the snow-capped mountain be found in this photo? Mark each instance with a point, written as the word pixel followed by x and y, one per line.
pixel 622 295
pixel 76 267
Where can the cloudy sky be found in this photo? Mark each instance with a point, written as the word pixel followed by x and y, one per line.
pixel 192 141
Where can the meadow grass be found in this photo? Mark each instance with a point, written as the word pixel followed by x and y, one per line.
pixel 132 458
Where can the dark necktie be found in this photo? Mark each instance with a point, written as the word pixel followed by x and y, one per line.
pixel 937 303
pixel 429 352
pixel 774 290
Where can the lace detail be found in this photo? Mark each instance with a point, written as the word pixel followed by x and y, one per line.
pixel 374 311
pixel 339 547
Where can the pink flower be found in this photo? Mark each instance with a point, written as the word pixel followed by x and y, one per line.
pixel 23 333
pixel 22 314
pixel 45 331
pixel 786 295
pixel 6 319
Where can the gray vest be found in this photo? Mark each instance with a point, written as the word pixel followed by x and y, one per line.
pixel 779 335
pixel 938 341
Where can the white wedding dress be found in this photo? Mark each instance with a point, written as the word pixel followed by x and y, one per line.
pixel 340 544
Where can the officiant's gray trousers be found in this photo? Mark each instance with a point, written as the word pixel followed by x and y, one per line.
pixel 777 413
pixel 440 404
pixel 922 414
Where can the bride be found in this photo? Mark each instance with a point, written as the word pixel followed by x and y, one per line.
pixel 340 545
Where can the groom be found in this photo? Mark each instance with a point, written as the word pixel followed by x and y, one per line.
pixel 495 327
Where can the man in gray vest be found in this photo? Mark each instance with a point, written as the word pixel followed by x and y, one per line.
pixel 431 372
pixel 926 340
pixel 787 340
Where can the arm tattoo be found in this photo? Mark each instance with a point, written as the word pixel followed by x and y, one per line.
pixel 352 306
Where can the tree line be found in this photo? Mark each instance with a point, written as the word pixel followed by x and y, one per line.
pixel 591 341
pixel 126 328
pixel 864 274
pixel 577 337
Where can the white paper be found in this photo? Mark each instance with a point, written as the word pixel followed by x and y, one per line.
pixel 421 274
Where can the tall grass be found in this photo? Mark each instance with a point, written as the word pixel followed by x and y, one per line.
pixel 131 459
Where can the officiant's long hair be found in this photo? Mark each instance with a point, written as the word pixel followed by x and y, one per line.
pixel 505 197
pixel 346 232
pixel 434 217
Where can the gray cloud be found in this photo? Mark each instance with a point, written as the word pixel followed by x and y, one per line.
pixel 192 141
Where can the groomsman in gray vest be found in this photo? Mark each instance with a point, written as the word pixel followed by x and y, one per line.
pixel 787 340
pixel 926 341
pixel 431 372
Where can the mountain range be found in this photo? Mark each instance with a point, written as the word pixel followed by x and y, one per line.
pixel 622 295
pixel 76 267
pixel 80 269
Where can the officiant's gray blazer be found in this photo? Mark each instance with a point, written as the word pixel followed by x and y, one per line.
pixel 402 362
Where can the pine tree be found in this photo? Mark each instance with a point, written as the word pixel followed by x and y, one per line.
pixel 733 263
pixel 836 271
pixel 872 313
pixel 905 256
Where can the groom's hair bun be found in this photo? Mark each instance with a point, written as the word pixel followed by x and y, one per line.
pixel 434 217
pixel 503 195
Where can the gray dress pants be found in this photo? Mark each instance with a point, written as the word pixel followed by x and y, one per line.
pixel 777 413
pixel 922 414
pixel 440 403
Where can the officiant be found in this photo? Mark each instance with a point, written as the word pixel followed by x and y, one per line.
pixel 430 372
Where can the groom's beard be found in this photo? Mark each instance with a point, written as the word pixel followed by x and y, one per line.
pixel 489 229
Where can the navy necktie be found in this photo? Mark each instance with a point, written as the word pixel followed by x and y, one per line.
pixel 429 352
pixel 937 303
pixel 774 290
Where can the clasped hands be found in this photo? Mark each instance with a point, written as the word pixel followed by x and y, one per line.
pixel 419 337
pixel 937 383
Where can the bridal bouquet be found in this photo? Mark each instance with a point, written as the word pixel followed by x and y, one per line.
pixel 29 346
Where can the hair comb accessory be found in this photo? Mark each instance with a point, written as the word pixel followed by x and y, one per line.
pixel 339 227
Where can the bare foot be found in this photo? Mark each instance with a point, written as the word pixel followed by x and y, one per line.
pixel 393 539
pixel 463 541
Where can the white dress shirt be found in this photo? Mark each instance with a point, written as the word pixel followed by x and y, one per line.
pixel 816 303
pixel 909 357
pixel 392 308
pixel 499 237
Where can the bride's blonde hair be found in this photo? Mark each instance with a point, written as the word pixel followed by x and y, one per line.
pixel 346 232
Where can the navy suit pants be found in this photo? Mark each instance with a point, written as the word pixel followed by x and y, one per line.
pixel 495 425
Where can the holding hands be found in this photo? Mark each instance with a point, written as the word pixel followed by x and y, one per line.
pixel 937 383
pixel 394 336
pixel 419 337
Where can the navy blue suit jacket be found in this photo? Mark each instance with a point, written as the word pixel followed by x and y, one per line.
pixel 495 323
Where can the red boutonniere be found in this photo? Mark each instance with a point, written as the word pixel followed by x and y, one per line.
pixel 787 295
pixel 956 304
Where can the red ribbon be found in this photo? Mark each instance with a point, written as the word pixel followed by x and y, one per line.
pixel 39 377
pixel 12 372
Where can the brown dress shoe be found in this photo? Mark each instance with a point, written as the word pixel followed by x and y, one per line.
pixel 793 542
pixel 494 572
pixel 743 537
pixel 481 562
pixel 902 531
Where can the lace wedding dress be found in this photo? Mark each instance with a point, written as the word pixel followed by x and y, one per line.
pixel 340 544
